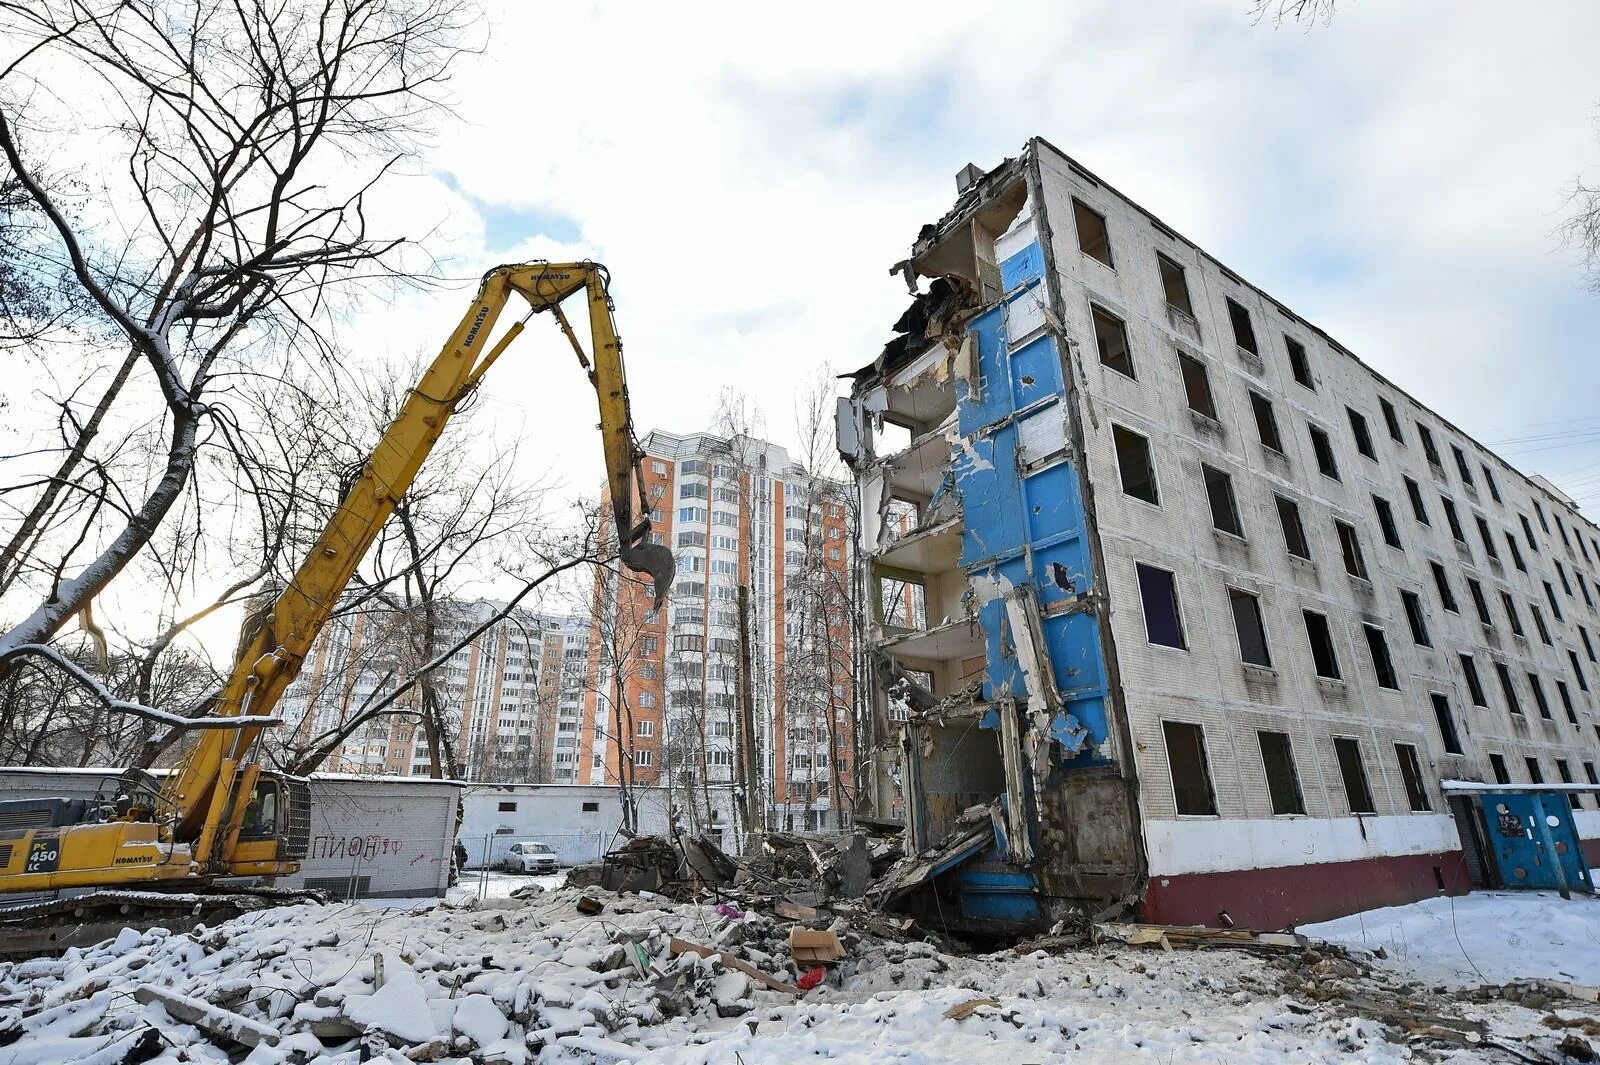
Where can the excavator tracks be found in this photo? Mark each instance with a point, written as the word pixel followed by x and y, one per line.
pixel 49 926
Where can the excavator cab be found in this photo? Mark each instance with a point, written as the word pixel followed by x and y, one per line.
pixel 274 828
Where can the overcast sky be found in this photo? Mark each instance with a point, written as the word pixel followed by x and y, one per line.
pixel 749 175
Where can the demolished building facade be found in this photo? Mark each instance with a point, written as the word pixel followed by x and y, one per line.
pixel 1143 625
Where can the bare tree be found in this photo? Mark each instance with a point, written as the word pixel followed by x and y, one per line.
pixel 251 138
pixel 1303 12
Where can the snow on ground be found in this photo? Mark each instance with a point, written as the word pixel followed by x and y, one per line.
pixel 519 981
pixel 1484 937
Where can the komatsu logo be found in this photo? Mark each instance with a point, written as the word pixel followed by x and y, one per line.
pixel 477 324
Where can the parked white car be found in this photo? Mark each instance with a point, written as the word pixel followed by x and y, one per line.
pixel 531 857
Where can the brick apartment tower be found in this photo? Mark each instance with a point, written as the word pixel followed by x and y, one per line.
pixel 663 703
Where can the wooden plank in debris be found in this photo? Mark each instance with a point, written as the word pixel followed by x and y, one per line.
pixel 204 1015
pixel 683 946
pixel 1190 937
pixel 793 911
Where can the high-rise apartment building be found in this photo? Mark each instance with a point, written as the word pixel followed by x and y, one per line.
pixel 758 617
pixel 500 695
pixel 1205 607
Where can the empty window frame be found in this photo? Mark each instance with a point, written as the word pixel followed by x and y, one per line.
pixel 1479 603
pixel 1382 664
pixel 1469 670
pixel 1535 773
pixel 1508 688
pixel 1093 238
pixel 1392 421
pixel 1358 430
pixel 1158 592
pixel 1453 519
pixel 1577 670
pixel 1135 465
pixel 1536 686
pixel 1516 552
pixel 1441 582
pixel 1111 337
pixel 1357 793
pixel 1430 450
pixel 1538 623
pixel 1391 532
pixel 1266 422
pixel 1224 506
pixel 1539 513
pixel 1461 465
pixel 1588 647
pixel 1320 637
pixel 1299 365
pixel 1497 766
pixel 1244 334
pixel 1550 597
pixel 1251 629
pixel 1494 487
pixel 1418 510
pixel 1512 616
pixel 1561 572
pixel 1175 285
pixel 1527 533
pixel 1323 448
pixel 1445 717
pixel 1566 701
pixel 1350 546
pixel 1564 771
pixel 1192 793
pixel 1294 533
pixel 1487 537
pixel 1197 386
pixel 1411 774
pixel 1416 619
pixel 1283 781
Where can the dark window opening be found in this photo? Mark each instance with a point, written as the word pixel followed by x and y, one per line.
pixel 1391 532
pixel 1539 513
pixel 1469 669
pixel 1527 533
pixel 1418 511
pixel 1537 687
pixel 1093 239
pixel 1252 631
pixel 1479 603
pixel 506 807
pixel 1350 545
pixel 1497 766
pixel 1283 781
pixel 1358 429
pixel 1453 519
pixel 1294 533
pixel 1562 531
pixel 1516 552
pixel 1299 365
pixel 1550 596
pixel 1266 422
pixel 1191 774
pixel 1392 420
pixel 1564 771
pixel 1323 448
pixel 1447 723
pixel 1430 450
pixel 1356 791
pixel 1512 616
pixel 1461 465
pixel 1382 664
pixel 1197 386
pixel 1441 581
pixel 1244 334
pixel 1487 538
pixel 1158 591
pixel 1588 648
pixel 1411 774
pixel 1224 507
pixel 1321 640
pixel 1507 688
pixel 1566 701
pixel 1494 488
pixel 1538 623
pixel 1174 285
pixel 1111 337
pixel 1535 774
pixel 591 807
pixel 1561 572
pixel 1134 462
pixel 1416 619
pixel 1577 670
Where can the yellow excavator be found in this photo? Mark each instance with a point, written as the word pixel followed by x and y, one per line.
pixel 220 813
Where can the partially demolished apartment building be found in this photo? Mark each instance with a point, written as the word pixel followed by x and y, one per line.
pixel 1178 603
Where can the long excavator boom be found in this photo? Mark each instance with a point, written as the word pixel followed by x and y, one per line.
pixel 205 797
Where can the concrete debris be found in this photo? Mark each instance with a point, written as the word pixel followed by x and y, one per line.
pixel 1182 937
pixel 229 1026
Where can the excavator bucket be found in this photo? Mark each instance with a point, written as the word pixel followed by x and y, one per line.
pixel 654 560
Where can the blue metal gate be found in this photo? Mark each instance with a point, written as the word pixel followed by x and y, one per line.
pixel 1535 841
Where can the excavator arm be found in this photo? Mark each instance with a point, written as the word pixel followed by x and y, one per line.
pixel 205 783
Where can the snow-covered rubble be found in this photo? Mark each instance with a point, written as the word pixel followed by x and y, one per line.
pixel 515 981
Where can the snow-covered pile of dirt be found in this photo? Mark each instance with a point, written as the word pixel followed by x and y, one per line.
pixel 515 981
